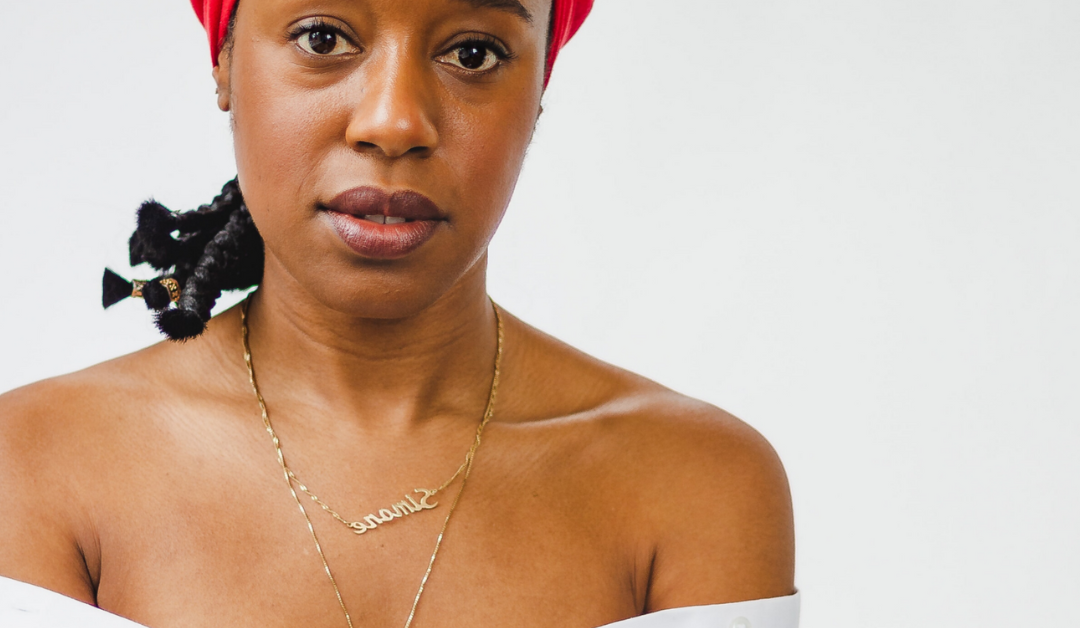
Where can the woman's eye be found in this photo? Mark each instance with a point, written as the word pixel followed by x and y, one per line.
pixel 473 56
pixel 324 42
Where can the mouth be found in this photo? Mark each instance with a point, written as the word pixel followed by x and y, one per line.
pixel 379 219
pixel 377 205
pixel 379 225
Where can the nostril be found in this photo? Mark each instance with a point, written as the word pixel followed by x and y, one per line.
pixel 374 147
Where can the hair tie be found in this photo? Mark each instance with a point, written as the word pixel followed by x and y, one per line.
pixel 158 293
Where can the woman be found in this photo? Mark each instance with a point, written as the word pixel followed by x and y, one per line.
pixel 377 144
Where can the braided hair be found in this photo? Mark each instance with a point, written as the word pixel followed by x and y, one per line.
pixel 201 253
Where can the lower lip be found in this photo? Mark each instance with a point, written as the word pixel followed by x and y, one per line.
pixel 379 241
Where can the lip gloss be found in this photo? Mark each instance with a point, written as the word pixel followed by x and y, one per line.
pixel 379 225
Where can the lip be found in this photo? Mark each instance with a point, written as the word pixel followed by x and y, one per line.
pixel 383 241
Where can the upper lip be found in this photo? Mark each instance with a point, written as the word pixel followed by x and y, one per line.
pixel 371 201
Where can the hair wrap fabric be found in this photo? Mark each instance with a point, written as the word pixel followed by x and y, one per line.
pixel 567 17
pixel 214 15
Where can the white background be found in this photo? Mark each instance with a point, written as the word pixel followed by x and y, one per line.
pixel 852 223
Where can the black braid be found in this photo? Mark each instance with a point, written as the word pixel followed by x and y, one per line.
pixel 207 250
pixel 220 267
pixel 153 242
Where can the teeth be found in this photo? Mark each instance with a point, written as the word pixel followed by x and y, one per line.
pixel 384 220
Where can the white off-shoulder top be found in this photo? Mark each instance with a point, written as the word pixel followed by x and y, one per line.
pixel 24 605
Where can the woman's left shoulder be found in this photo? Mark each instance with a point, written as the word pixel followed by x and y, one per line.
pixel 712 497
pixel 687 442
pixel 701 497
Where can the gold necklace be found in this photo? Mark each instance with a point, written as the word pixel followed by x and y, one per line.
pixel 397 510
pixel 291 477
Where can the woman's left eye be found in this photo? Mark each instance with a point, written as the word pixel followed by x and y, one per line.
pixel 474 56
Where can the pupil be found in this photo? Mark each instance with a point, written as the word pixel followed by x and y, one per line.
pixel 322 42
pixel 472 57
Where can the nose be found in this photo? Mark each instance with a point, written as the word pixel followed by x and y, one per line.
pixel 394 114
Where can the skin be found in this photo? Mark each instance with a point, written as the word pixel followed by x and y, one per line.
pixel 148 486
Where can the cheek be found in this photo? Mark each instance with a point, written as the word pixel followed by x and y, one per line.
pixel 281 139
pixel 485 149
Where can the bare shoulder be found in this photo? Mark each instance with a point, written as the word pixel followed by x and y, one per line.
pixel 47 445
pixel 707 495
pixel 41 421
pixel 60 439
pixel 52 423
pixel 714 500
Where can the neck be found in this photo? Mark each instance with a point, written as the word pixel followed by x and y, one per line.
pixel 387 374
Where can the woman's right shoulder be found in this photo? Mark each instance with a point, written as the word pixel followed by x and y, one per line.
pixel 82 418
pixel 60 421
pixel 56 437
pixel 67 443
pixel 98 399
pixel 64 403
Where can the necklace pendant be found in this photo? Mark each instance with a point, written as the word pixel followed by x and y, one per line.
pixel 397 510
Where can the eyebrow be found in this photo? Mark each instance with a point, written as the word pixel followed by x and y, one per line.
pixel 513 6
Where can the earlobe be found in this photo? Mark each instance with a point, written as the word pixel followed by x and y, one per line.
pixel 221 77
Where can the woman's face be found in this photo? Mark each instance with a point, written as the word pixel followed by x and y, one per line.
pixel 347 108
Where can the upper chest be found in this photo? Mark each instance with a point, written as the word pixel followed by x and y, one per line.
pixel 199 527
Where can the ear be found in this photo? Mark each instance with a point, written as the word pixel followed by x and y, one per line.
pixel 221 78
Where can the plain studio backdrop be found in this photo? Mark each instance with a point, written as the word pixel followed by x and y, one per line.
pixel 854 224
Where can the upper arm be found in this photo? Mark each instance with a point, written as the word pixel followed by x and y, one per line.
pixel 39 540
pixel 720 512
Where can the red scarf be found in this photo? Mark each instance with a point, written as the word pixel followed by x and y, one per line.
pixel 567 16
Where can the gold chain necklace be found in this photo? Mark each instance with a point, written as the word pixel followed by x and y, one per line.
pixel 397 510
pixel 291 477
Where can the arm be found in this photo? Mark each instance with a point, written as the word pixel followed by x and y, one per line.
pixel 722 515
pixel 39 543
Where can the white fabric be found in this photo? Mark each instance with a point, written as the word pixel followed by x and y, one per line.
pixel 776 612
pixel 27 606
pixel 24 605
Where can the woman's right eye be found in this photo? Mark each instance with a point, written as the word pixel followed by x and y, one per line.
pixel 324 42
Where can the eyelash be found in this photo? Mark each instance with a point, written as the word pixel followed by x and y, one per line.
pixel 318 24
pixel 488 42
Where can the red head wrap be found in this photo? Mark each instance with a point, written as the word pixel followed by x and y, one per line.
pixel 567 17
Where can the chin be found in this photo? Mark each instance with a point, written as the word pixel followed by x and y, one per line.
pixel 343 282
